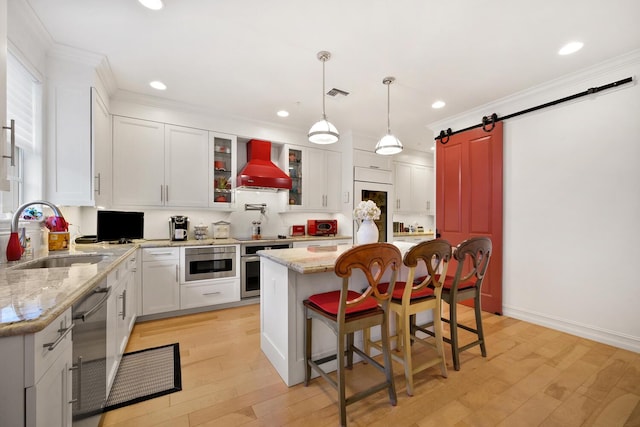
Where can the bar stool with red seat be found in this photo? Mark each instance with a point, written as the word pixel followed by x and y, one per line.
pixel 472 257
pixel 408 301
pixel 346 311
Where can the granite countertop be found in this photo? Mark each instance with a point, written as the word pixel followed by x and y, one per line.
pixel 413 234
pixel 317 259
pixel 30 299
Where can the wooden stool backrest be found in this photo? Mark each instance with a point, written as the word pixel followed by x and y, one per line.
pixel 374 260
pixel 436 255
pixel 473 259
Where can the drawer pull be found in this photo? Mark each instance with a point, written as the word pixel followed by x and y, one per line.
pixel 63 333
pixel 211 293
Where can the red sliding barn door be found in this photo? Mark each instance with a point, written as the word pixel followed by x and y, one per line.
pixel 469 199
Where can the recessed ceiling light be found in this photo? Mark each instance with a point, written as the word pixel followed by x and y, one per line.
pixel 438 104
pixel 156 84
pixel 570 48
pixel 283 113
pixel 152 4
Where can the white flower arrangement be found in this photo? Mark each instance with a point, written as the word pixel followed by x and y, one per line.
pixel 366 210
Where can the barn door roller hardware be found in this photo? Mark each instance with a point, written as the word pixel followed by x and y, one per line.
pixel 489 122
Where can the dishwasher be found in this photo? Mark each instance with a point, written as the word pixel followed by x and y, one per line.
pixel 89 370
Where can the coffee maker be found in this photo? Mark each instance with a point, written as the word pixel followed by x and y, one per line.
pixel 178 227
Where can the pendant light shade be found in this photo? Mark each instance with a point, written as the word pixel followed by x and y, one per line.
pixel 388 144
pixel 323 132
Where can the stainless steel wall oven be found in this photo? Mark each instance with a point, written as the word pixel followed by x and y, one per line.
pixel 250 264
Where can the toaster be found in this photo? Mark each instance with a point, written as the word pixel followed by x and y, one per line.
pixel 297 230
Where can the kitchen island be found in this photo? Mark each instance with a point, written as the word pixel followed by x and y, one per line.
pixel 289 276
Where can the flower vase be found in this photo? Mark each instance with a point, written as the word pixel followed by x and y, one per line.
pixel 368 232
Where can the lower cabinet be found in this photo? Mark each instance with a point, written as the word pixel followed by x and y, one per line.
pixel 201 295
pixel 160 280
pixel 48 401
pixel 47 383
pixel 121 308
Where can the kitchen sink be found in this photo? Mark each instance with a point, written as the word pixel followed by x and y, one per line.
pixel 64 261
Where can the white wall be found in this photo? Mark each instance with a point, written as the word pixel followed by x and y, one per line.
pixel 572 204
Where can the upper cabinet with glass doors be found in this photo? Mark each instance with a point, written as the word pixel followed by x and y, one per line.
pixel 223 155
pixel 316 179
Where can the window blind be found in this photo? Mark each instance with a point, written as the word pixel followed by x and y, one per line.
pixel 21 101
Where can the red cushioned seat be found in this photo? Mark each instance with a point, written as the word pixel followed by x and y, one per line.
pixel 399 290
pixel 330 301
pixel 448 281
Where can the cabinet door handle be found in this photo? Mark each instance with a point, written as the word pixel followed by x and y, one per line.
pixel 123 297
pixel 374 167
pixel 177 274
pixel 161 193
pixel 12 128
pixel 166 190
pixel 63 333
pixel 98 184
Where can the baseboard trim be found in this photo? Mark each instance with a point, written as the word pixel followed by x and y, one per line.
pixel 601 335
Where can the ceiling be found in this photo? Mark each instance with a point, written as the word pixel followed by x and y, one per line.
pixel 251 58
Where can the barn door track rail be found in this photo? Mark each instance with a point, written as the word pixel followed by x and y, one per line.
pixel 489 122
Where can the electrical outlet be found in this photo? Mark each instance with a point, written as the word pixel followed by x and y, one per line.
pixel 346 197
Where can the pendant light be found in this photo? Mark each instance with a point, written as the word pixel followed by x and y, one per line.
pixel 388 144
pixel 323 132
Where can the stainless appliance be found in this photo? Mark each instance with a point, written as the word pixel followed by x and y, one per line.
pixel 178 227
pixel 250 265
pixel 207 262
pixel 322 227
pixel 89 370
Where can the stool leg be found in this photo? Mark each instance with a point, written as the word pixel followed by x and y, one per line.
pixel 477 309
pixel 307 347
pixel 349 350
pixel 437 329
pixel 388 368
pixel 405 337
pixel 342 397
pixel 453 325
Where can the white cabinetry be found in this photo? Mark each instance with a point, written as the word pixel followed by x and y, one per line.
pixel 47 375
pixel 414 189
pixel 102 161
pixel 4 163
pixel 151 161
pixel 121 308
pixel 320 186
pixel 160 280
pixel 222 169
pixel 218 291
pixel 71 131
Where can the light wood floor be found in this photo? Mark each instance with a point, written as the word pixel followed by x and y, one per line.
pixel 533 376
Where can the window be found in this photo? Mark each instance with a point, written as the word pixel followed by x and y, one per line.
pixel 23 106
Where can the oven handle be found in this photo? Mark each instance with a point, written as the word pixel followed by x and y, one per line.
pixel 84 314
pixel 250 258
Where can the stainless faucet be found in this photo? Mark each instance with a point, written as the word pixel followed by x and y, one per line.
pixel 16 216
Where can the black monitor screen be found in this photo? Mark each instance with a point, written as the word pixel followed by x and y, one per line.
pixel 118 225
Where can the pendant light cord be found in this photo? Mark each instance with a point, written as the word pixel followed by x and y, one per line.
pixel 324 116
pixel 388 108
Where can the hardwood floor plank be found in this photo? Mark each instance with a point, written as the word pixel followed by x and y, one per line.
pixel 532 376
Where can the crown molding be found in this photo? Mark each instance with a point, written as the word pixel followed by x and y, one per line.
pixel 95 60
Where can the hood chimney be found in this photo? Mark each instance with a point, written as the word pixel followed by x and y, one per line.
pixel 260 171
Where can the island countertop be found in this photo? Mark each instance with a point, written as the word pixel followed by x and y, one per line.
pixel 316 259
